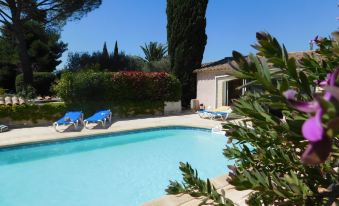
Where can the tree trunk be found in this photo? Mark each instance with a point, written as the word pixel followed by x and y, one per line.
pixel 19 34
pixel 23 55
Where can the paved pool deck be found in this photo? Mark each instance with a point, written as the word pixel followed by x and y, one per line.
pixel 42 134
pixel 47 133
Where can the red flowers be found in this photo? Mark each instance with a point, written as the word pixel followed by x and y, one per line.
pixel 152 86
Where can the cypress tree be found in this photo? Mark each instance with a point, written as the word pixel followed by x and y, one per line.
pixel 104 60
pixel 186 24
pixel 116 62
pixel 116 50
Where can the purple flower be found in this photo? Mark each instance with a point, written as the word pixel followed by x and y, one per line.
pixel 307 107
pixel 317 152
pixel 312 128
pixel 315 40
pixel 333 91
pixel 325 82
pixel 320 145
pixel 233 172
pixel 332 88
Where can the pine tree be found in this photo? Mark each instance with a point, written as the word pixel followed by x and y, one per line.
pixel 52 13
pixel 186 23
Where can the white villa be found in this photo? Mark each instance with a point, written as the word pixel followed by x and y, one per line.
pixel 217 87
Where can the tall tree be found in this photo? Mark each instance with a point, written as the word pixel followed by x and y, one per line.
pixel 44 50
pixel 116 49
pixel 54 13
pixel 154 51
pixel 44 46
pixel 116 58
pixel 104 59
pixel 186 24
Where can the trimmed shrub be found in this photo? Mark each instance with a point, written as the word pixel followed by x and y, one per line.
pixel 2 91
pixel 156 86
pixel 85 86
pixel 144 92
pixel 163 65
pixel 42 82
pixel 50 112
pixel 7 77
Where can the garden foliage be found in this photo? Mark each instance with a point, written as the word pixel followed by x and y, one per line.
pixel 155 60
pixel 95 90
pixel 50 13
pixel 27 112
pixel 42 82
pixel 44 50
pixel 154 51
pixel 275 157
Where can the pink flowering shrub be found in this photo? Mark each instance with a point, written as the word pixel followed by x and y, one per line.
pixel 137 85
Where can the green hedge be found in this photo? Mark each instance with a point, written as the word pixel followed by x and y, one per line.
pixel 123 92
pixel 42 82
pixel 50 112
pixel 53 111
pixel 122 109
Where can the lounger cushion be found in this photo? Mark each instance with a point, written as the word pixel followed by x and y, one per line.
pixel 99 116
pixel 69 118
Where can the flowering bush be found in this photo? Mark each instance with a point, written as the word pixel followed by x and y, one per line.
pixel 136 85
pixel 288 161
pixel 313 129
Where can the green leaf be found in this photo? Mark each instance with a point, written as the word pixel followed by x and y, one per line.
pixel 292 68
pixel 305 84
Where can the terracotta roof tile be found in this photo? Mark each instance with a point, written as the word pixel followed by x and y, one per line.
pixel 224 64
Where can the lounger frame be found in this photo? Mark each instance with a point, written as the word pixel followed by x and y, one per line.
pixel 213 115
pixel 103 122
pixel 3 128
pixel 76 124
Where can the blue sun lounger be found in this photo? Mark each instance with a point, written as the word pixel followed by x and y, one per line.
pixel 101 116
pixel 213 115
pixel 70 118
pixel 221 115
pixel 3 128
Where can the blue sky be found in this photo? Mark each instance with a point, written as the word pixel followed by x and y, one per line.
pixel 231 25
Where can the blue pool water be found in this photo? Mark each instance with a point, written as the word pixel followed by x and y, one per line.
pixel 120 169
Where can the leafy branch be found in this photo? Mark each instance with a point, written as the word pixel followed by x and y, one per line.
pixel 197 187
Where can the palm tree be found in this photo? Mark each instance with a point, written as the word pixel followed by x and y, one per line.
pixel 154 51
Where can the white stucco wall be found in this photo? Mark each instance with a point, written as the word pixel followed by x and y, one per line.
pixel 206 87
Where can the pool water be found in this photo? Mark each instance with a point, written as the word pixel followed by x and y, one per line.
pixel 118 169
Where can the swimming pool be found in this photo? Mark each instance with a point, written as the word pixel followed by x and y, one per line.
pixel 117 169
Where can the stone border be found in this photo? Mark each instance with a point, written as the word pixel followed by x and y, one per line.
pixel 95 136
pixel 220 183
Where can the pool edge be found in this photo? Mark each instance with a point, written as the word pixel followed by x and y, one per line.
pixel 83 137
